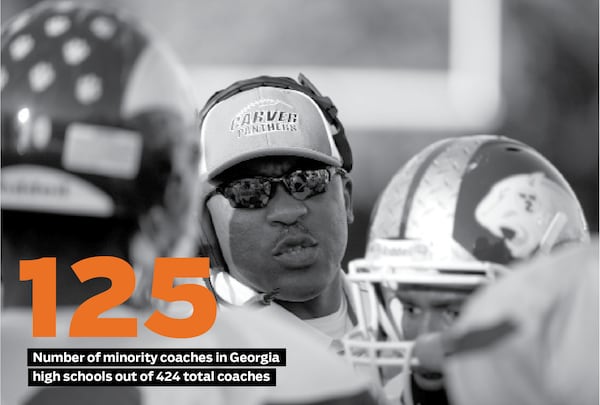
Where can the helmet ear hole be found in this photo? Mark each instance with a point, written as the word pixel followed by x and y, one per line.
pixel 512 149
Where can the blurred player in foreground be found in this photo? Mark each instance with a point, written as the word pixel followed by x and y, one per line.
pixel 449 221
pixel 531 338
pixel 100 158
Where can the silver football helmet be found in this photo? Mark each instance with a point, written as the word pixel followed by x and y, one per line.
pixel 453 218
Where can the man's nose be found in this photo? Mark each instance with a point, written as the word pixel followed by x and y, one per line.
pixel 430 322
pixel 285 209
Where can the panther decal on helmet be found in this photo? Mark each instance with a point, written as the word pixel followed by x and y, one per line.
pixel 520 209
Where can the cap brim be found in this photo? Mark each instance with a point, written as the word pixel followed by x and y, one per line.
pixel 269 152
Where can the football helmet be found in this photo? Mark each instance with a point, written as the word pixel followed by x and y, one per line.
pixel 97 121
pixel 454 217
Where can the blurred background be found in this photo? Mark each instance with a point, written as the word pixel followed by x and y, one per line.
pixel 405 73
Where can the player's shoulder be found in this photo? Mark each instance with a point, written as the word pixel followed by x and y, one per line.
pixel 569 262
pixel 312 373
pixel 542 281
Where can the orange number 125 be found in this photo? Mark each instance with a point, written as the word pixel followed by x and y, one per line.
pixel 86 321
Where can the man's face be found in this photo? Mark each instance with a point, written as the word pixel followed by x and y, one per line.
pixel 423 310
pixel 290 245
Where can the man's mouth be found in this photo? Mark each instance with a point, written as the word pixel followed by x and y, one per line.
pixel 296 251
pixel 431 375
pixel 429 381
pixel 294 243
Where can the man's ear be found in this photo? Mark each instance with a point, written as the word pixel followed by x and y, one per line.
pixel 347 185
pixel 208 243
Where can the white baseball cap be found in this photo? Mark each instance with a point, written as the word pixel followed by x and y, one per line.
pixel 265 121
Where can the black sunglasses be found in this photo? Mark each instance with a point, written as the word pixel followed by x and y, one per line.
pixel 256 192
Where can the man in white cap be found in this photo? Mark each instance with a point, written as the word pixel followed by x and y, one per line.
pixel 278 201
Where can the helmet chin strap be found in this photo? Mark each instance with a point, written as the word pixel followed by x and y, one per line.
pixel 406 373
pixel 388 324
pixel 231 291
pixel 394 334
pixel 264 298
